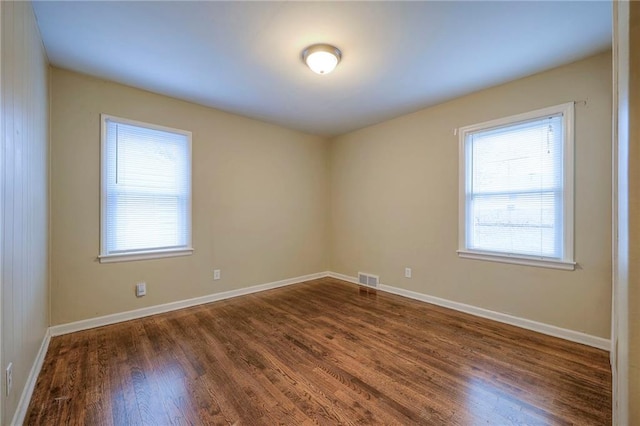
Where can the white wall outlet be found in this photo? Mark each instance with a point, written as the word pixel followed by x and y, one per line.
pixel 216 274
pixel 407 272
pixel 141 289
pixel 9 378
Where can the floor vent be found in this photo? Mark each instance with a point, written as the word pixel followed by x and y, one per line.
pixel 368 279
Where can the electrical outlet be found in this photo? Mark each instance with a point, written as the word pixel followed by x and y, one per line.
pixel 216 274
pixel 141 289
pixel 9 378
pixel 407 272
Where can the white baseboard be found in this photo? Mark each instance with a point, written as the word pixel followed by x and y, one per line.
pixel 25 398
pixel 551 330
pixel 58 330
pixel 343 277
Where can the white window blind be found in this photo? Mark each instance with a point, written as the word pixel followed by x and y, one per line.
pixel 146 189
pixel 516 200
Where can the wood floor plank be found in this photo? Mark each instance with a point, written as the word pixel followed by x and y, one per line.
pixel 322 352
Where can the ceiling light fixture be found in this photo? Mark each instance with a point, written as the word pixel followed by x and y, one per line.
pixel 321 58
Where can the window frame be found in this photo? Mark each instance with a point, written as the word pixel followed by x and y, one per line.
pixel 105 257
pixel 567 261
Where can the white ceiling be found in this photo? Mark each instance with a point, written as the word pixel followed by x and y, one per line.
pixel 244 57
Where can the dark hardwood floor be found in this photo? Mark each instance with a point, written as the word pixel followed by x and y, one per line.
pixel 322 352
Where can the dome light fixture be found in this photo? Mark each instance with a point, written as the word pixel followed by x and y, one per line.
pixel 321 58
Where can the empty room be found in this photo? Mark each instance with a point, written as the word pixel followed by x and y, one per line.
pixel 281 212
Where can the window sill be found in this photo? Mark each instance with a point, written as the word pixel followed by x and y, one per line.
pixel 146 255
pixel 518 260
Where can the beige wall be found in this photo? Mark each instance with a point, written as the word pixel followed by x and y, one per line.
pixel 24 211
pixel 394 203
pixel 634 215
pixel 271 203
pixel 259 202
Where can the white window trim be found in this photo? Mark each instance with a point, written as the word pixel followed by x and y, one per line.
pixel 147 254
pixel 567 262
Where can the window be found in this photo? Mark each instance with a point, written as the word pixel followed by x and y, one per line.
pixel 516 189
pixel 146 191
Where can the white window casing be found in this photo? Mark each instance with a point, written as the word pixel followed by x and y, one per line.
pixel 516 181
pixel 145 191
